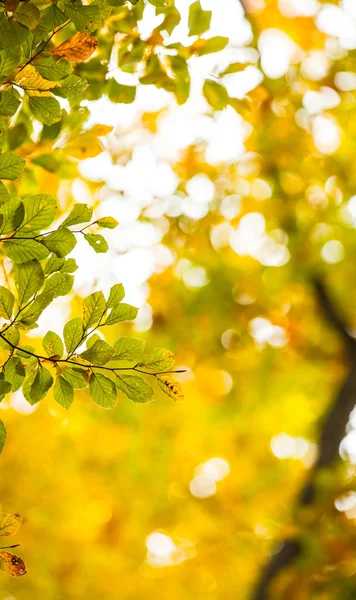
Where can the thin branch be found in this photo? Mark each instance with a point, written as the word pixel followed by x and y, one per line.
pixel 332 432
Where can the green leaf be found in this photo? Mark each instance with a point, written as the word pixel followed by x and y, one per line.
pixel 9 59
pixel 11 166
pixel 85 18
pixel 61 242
pixel 80 213
pixel 12 34
pixel 124 94
pixel 214 44
pixel 53 17
pixel 12 335
pixel 23 250
pixel 97 242
pixel 15 372
pixel 16 136
pixel 8 104
pixel 9 524
pixel 53 69
pixel 63 392
pixel 216 95
pixel 107 223
pixel 117 293
pixel 135 388
pixel 45 109
pixel 73 333
pixel 158 359
pixel 99 353
pixel 199 19
pixel 71 87
pixel 2 435
pixel 42 382
pixel 6 303
pixel 162 3
pixel 28 15
pixel 76 377
pixel 5 387
pixel 53 264
pixel 52 344
pixel 29 280
pixel 4 193
pixel 12 215
pixel 121 312
pixel 94 307
pixel 102 390
pixel 69 266
pixel 59 284
pixel 40 211
pixel 128 348
pixel 35 310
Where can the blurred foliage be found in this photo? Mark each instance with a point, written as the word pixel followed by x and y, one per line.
pixel 129 503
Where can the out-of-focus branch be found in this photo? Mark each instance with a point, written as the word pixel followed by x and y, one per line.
pixel 332 432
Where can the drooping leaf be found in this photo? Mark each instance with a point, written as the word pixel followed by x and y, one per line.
pixel 63 392
pixel 97 242
pixel 13 565
pixel 170 387
pixel 15 372
pixel 135 388
pixel 42 382
pixel 7 301
pixel 102 390
pixel 45 109
pixel 8 104
pixel 77 378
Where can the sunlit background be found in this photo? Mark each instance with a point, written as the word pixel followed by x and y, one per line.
pixel 224 217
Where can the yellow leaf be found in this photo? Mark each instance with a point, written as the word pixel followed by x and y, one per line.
pixel 9 524
pixel 12 564
pixel 77 48
pixel 171 387
pixel 31 81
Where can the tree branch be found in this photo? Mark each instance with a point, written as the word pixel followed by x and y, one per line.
pixel 332 432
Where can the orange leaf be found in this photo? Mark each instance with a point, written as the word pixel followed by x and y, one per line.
pixel 77 48
pixel 12 564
